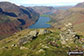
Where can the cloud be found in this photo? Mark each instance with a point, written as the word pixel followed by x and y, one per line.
pixel 4 0
pixel 49 1
pixel 44 2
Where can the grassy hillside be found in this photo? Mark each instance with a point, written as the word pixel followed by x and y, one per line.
pixel 48 44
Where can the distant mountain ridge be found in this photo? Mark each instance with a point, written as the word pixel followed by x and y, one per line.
pixel 80 5
pixel 74 15
pixel 44 9
pixel 14 18
pixel 49 9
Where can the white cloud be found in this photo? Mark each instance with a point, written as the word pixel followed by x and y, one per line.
pixel 4 0
pixel 49 1
pixel 52 2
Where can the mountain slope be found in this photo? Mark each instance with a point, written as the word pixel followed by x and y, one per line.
pixel 73 15
pixel 14 18
pixel 80 5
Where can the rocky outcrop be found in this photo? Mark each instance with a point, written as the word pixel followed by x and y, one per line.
pixel 43 31
pixel 14 18
pixel 68 35
pixel 32 35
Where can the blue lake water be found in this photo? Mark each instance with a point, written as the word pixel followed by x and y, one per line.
pixel 41 23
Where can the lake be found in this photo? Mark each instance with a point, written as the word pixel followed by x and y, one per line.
pixel 41 23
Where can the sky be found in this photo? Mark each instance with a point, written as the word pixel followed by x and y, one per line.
pixel 46 2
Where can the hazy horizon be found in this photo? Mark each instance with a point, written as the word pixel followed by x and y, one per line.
pixel 45 3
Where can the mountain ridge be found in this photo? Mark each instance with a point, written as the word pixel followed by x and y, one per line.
pixel 14 18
